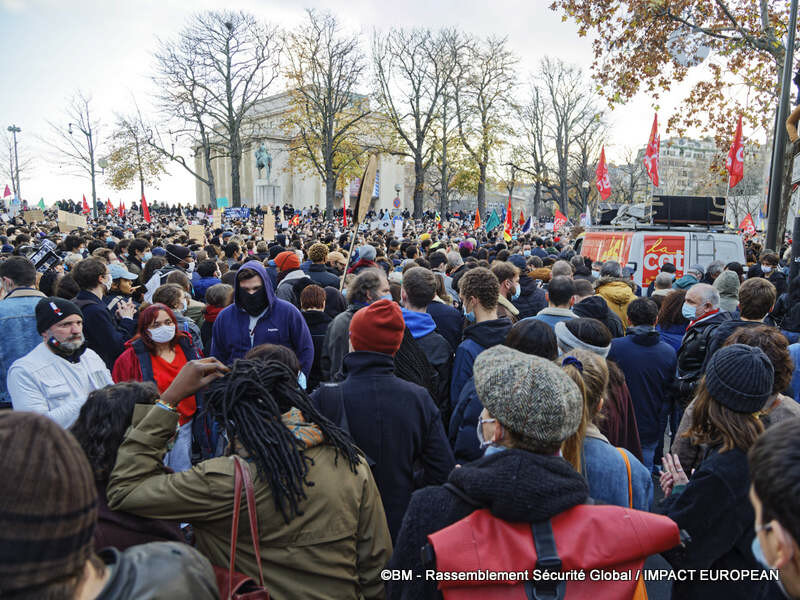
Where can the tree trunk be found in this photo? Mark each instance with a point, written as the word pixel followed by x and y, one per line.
pixel 419 187
pixel 330 196
pixel 537 199
pixel 482 192
pixel 212 188
pixel 236 194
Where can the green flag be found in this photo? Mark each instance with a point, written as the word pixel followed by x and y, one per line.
pixel 493 221
pixel 41 203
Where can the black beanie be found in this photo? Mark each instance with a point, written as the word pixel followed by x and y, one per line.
pixel 49 510
pixel 176 253
pixel 50 311
pixel 740 378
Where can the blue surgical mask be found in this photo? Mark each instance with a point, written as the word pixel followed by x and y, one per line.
pixel 596 274
pixel 301 379
pixel 526 253
pixel 758 553
pixel 386 297
pixel 516 293
pixel 688 311
pixel 147 256
pixel 470 316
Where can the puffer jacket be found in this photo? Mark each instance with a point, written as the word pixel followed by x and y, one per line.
pixel 693 350
pixel 618 293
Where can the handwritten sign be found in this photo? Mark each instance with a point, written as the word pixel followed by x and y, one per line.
pixel 69 221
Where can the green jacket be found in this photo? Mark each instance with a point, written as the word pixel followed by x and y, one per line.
pixel 335 549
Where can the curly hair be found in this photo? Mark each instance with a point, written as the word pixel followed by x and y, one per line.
pixel 318 253
pixel 482 284
pixel 103 420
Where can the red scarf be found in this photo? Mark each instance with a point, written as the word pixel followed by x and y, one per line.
pixel 212 312
pixel 708 314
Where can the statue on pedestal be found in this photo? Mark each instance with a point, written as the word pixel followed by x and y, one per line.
pixel 263 160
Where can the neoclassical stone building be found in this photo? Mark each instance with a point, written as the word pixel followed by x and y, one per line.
pixel 287 186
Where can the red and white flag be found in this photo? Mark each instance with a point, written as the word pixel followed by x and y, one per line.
pixel 85 205
pixel 735 162
pixel 558 220
pixel 601 175
pixel 109 208
pixel 145 210
pixel 652 152
pixel 747 225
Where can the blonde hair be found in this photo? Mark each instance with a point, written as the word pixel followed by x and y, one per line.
pixel 592 380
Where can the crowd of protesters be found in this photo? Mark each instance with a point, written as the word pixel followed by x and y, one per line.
pixel 381 387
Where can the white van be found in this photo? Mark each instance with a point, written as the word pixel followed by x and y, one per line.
pixel 646 250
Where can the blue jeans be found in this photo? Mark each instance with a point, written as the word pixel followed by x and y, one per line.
pixel 180 457
pixel 648 452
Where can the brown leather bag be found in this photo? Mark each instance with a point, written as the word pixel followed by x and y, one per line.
pixel 232 585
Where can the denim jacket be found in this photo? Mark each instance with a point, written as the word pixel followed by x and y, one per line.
pixel 18 324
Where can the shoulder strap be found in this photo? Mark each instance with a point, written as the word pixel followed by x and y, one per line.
pixel 145 360
pixel 461 495
pixel 630 483
pixel 242 475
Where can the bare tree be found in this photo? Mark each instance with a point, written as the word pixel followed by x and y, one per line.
pixel 411 71
pixel 583 158
pixel 184 107
pixel 572 116
pixel 77 142
pixel 533 116
pixel 234 61
pixel 327 115
pixel 629 178
pixel 8 163
pixel 484 78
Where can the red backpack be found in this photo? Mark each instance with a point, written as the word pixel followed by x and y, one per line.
pixel 607 544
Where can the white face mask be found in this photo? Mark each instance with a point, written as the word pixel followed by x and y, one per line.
pixel 108 281
pixel 163 334
pixel 766 269
pixel 190 267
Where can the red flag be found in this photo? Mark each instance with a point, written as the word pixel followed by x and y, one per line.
pixel 145 210
pixel 121 209
pixel 7 193
pixel 109 208
pixel 521 218
pixel 344 209
pixel 747 225
pixel 509 224
pixel 652 152
pixel 558 220
pixel 602 181
pixel 735 162
pixel 85 205
pixel 477 224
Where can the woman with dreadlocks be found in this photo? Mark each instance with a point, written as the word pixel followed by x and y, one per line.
pixel 322 528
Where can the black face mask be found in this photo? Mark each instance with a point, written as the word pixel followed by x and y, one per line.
pixel 254 304
pixel 73 356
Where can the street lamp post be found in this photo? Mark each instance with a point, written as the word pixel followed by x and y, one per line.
pixel 585 194
pixel 779 139
pixel 14 131
pixel 87 131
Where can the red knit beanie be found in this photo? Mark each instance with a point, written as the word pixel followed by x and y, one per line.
pixel 378 328
pixel 286 261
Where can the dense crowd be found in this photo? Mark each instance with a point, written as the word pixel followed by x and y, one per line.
pixel 396 394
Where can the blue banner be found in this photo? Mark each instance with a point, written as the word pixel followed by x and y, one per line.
pixel 242 212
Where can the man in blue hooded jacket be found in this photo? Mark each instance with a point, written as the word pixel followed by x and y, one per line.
pixel 258 317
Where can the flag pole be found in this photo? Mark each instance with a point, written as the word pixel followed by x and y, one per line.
pixel 728 193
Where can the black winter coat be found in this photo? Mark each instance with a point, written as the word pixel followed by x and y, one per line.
pixel 449 322
pixel 321 276
pixel 395 423
pixel 722 332
pixel 104 334
pixel 692 354
pixel 531 299
pixel 715 511
pixel 594 307
pixel 440 356
pixel 318 323
pixel 514 485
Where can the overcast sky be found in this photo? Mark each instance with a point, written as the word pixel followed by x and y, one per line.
pixel 53 48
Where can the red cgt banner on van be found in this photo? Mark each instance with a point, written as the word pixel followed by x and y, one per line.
pixel 660 249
